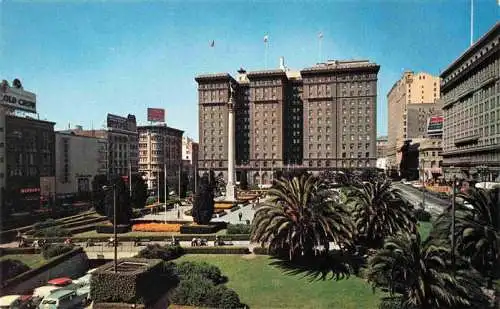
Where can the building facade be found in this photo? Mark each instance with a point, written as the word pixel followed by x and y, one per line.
pixel 29 163
pixel 189 156
pixel 318 118
pixel 160 147
pixel 78 160
pixel 470 90
pixel 410 101
pixel 382 143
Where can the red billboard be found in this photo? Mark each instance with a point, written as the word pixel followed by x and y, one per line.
pixel 156 114
pixel 435 125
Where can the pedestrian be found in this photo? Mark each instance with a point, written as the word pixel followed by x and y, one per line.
pixel 240 215
pixel 19 238
pixel 178 213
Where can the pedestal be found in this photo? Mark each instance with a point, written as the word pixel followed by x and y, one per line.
pixel 231 192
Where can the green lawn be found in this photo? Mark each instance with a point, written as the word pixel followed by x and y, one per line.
pixel 261 285
pixel 424 229
pixel 32 260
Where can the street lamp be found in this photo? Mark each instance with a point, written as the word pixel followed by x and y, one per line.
pixel 423 183
pixel 453 187
pixel 107 188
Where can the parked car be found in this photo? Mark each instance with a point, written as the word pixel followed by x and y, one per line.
pixel 41 292
pixel 16 302
pixel 63 281
pixel 62 299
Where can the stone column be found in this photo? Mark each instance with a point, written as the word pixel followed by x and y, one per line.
pixel 230 187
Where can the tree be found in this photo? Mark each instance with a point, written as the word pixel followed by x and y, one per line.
pixel 477 230
pixel 161 183
pixel 123 209
pixel 139 191
pixel 378 211
pixel 203 204
pixel 98 194
pixel 420 273
pixel 299 217
pixel 184 184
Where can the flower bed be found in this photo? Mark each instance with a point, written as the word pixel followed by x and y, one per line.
pixel 223 205
pixel 156 227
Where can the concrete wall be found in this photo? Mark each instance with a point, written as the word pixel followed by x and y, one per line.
pixel 73 264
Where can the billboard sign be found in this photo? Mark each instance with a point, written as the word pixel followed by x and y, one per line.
pixel 156 114
pixel 117 122
pixel 435 125
pixel 16 97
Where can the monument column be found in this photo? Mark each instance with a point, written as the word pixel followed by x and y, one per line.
pixel 230 187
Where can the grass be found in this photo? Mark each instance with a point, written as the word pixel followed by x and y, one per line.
pixel 32 260
pixel 424 229
pixel 261 285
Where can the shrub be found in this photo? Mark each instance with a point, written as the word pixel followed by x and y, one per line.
pixel 53 250
pixel 391 303
pixel 226 298
pixel 194 291
pixel 108 228
pixel 156 227
pixel 238 229
pixel 54 231
pixel 216 250
pixel 44 224
pixel 202 229
pixel 204 270
pixel 10 268
pixel 422 215
pixel 165 253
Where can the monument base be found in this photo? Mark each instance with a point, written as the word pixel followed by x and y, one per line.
pixel 231 195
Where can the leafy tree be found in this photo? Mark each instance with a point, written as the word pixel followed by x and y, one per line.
pixel 139 191
pixel 378 212
pixel 477 230
pixel 203 204
pixel 123 208
pixel 300 216
pixel 98 194
pixel 419 271
pixel 184 184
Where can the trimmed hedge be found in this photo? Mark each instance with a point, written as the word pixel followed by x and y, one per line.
pixel 53 231
pixel 235 208
pixel 156 251
pixel 25 250
pixel 108 229
pixel 202 229
pixel 188 270
pixel 216 250
pixel 261 251
pixel 10 268
pixel 145 284
pixel 180 237
pixel 239 229
pixel 44 224
pixel 422 215
pixel 53 250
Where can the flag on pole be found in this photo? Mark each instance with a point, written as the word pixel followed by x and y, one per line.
pixel 212 43
pixel 266 38
pixel 320 35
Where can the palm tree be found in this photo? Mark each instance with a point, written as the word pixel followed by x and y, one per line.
pixel 477 230
pixel 299 217
pixel 420 273
pixel 378 211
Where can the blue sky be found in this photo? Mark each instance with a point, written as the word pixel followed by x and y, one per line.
pixel 84 59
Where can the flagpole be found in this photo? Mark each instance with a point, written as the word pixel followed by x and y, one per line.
pixel 266 49
pixel 165 188
pixel 471 22
pixel 320 43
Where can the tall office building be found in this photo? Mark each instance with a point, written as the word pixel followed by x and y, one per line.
pixel 411 101
pixel 159 147
pixel 318 118
pixel 470 90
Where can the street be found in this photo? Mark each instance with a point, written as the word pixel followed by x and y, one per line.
pixel 432 204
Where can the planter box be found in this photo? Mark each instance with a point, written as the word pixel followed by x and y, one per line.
pixel 108 229
pixel 202 229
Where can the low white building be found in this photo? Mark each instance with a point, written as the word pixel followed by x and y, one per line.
pixel 78 160
pixel 382 163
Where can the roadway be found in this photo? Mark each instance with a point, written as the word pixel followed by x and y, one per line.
pixel 414 196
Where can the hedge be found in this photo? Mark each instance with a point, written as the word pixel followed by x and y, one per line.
pixel 213 227
pixel 180 237
pixel 216 250
pixel 422 215
pixel 10 268
pixel 52 250
pixel 156 251
pixel 145 284
pixel 108 228
pixel 53 231
pixel 239 229
pixel 235 208
pixel 260 251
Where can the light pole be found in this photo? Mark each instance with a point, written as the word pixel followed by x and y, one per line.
pixel 115 240
pixel 453 188
pixel 423 182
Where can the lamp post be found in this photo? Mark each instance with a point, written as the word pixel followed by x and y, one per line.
pixel 106 188
pixel 453 187
pixel 423 182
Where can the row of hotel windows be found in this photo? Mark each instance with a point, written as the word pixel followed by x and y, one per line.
pixel 475 80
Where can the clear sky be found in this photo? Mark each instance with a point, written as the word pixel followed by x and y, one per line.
pixel 84 59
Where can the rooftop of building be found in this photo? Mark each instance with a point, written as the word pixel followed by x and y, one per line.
pixel 75 132
pixel 338 65
pixel 28 118
pixel 213 76
pixel 494 31
pixel 161 127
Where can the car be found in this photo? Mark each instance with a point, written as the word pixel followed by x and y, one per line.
pixel 43 291
pixel 63 281
pixel 16 302
pixel 62 299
